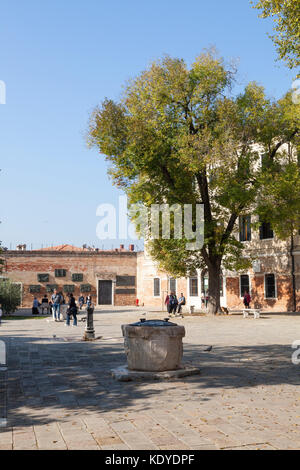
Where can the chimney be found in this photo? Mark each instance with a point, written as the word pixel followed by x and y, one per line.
pixel 131 247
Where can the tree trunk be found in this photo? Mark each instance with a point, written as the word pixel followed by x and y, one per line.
pixel 214 289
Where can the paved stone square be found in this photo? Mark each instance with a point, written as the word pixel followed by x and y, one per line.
pixel 58 391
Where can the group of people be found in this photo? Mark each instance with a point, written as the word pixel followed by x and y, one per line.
pixel 54 305
pixel 174 304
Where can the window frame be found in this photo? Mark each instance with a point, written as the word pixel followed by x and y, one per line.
pixel 156 279
pixel 246 228
pixel 260 231
pixel 249 284
pixel 175 281
pixel 265 286
pixel 193 278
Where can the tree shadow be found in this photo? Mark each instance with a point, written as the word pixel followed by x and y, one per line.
pixel 49 378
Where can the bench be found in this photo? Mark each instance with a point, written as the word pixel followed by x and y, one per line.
pixel 255 311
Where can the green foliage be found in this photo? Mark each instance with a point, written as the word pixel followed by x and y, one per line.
pixel 179 137
pixel 286 14
pixel 10 296
pixel 1 260
pixel 280 203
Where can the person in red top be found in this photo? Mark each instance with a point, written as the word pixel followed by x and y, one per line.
pixel 247 299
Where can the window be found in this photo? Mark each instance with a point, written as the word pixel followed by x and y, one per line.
pixel 270 286
pixel 265 231
pixel 245 228
pixel 77 277
pixel 204 282
pixel 194 286
pixel 60 273
pixel 156 287
pixel 172 285
pixel 43 277
pixel 221 286
pixel 244 284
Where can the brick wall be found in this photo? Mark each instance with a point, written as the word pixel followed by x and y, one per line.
pixel 25 266
pixel 283 302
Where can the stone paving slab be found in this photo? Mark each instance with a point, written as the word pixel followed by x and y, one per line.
pixel 60 394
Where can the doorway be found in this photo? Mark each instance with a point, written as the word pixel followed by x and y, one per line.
pixel 105 293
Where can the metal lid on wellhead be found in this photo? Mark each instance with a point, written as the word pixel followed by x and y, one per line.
pixel 144 322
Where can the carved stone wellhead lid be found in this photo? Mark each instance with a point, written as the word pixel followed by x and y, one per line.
pixel 153 323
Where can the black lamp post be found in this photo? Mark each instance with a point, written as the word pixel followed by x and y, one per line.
pixel 89 332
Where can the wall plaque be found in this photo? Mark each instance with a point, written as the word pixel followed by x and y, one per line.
pixel 125 281
pixel 43 277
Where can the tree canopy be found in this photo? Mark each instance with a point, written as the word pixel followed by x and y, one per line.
pixel 286 14
pixel 179 137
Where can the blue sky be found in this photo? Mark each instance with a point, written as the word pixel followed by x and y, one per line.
pixel 59 59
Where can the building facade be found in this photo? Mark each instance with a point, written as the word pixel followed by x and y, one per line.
pixel 273 281
pixel 125 277
pixel 108 276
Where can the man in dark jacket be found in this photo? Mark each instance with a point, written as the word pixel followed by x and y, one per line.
pixel 72 310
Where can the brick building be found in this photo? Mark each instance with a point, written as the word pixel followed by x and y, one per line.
pixel 109 276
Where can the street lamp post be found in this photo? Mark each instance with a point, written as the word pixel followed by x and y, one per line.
pixel 89 332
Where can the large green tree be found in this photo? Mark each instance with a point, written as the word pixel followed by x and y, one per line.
pixel 179 137
pixel 286 15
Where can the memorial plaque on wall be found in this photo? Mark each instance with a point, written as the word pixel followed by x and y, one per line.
pixel 85 288
pixel 125 280
pixel 77 277
pixel 34 289
pixel 43 277
pixel 125 291
pixel 69 288
pixel 51 287
pixel 60 272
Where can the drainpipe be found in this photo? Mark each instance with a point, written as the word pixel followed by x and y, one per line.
pixel 293 273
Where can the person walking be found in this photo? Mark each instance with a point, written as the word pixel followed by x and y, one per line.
pixel 88 301
pixel 56 301
pixel 72 311
pixel 181 302
pixel 174 304
pixel 35 306
pixel 167 302
pixel 81 302
pixel 247 299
